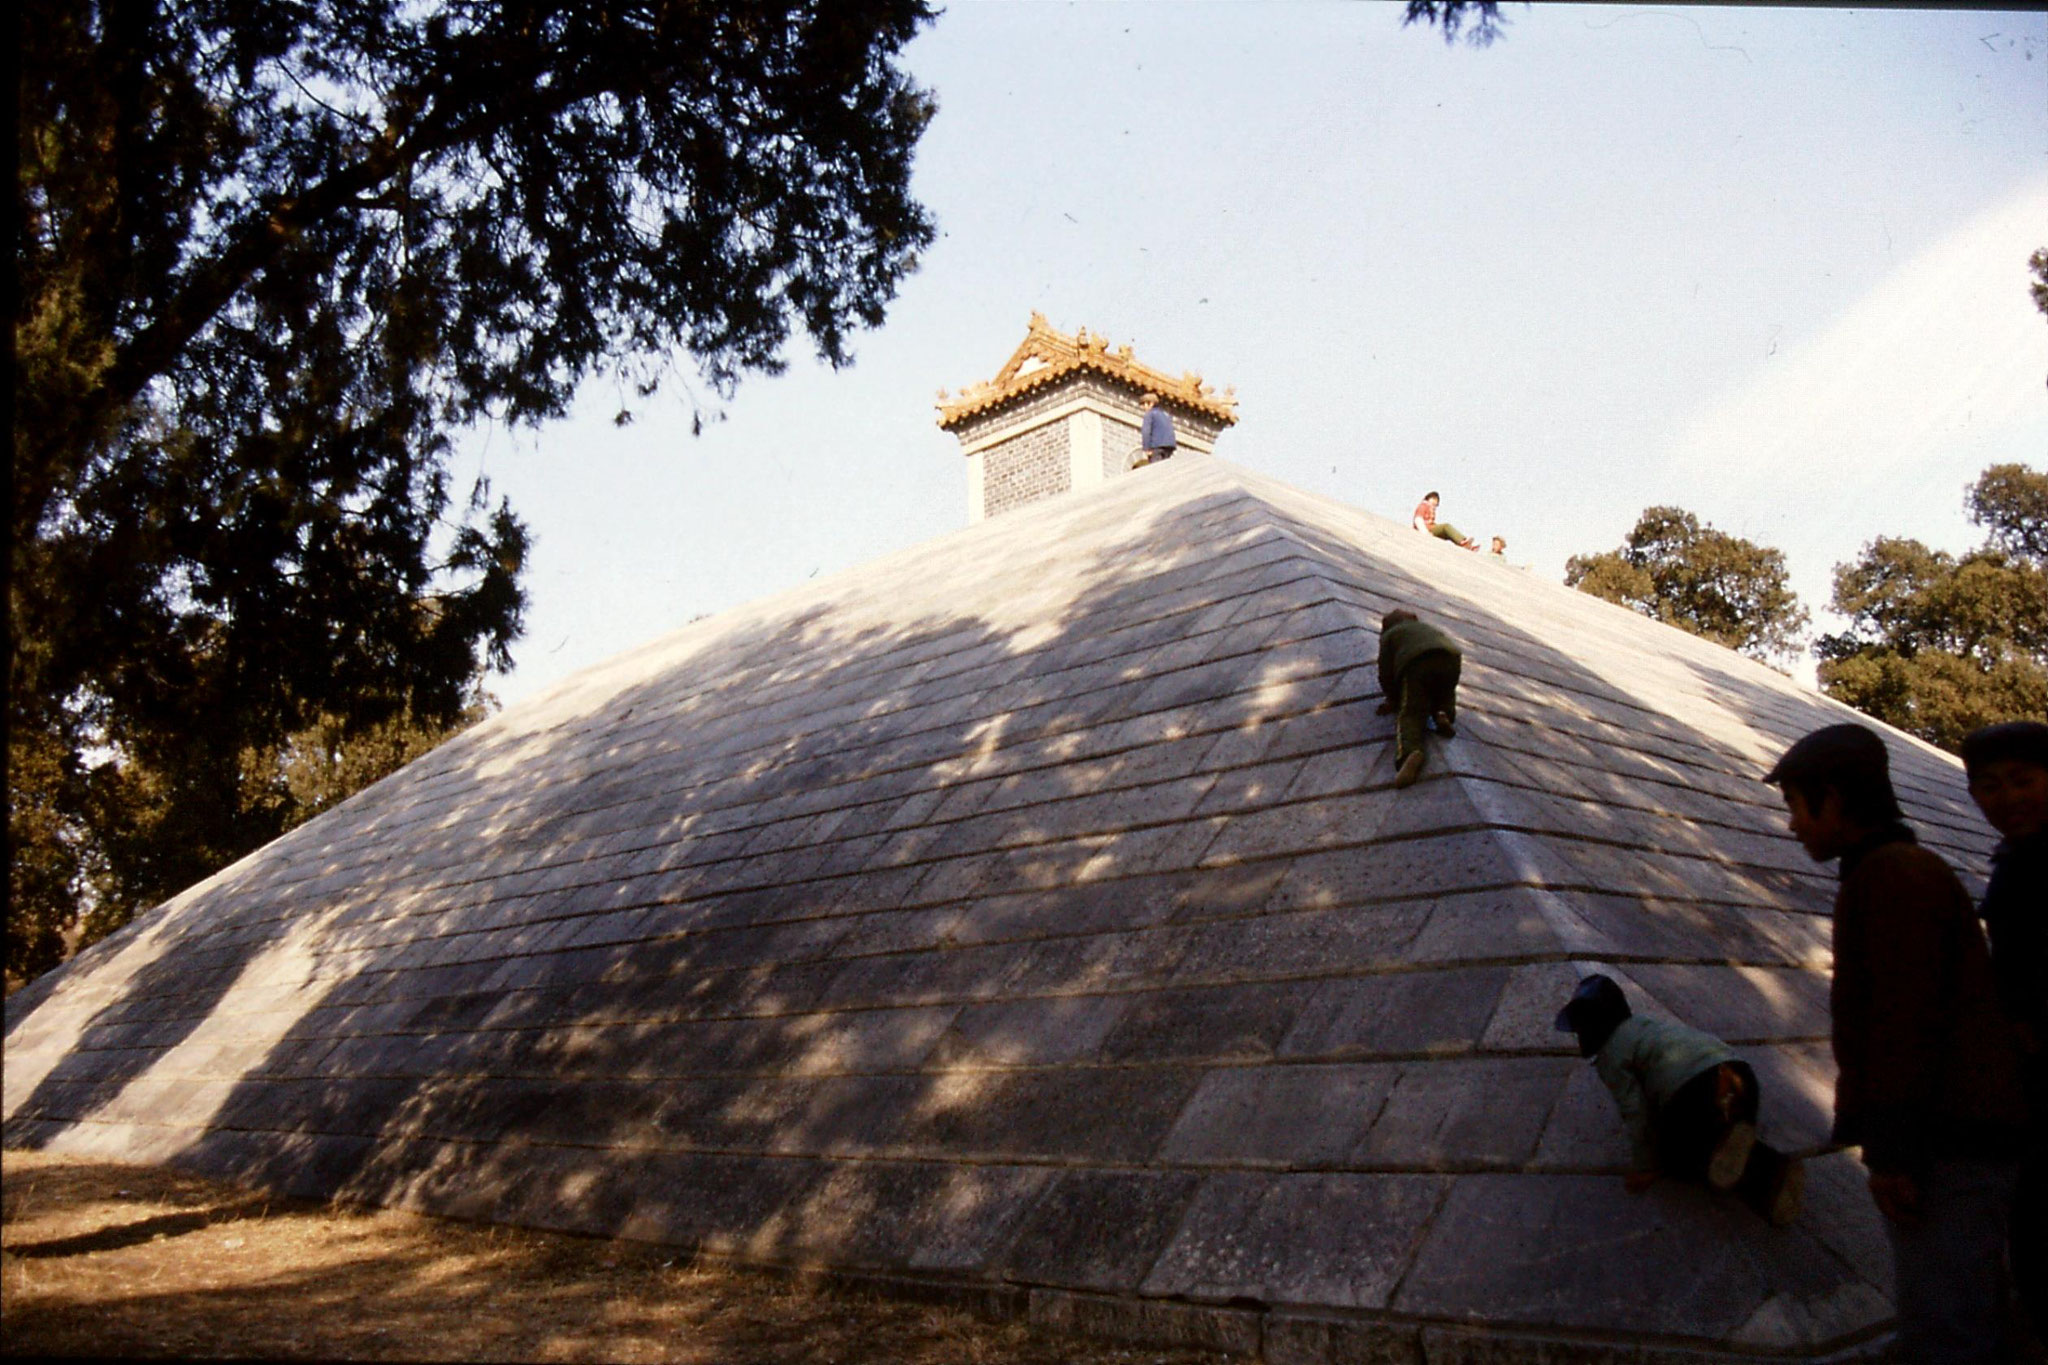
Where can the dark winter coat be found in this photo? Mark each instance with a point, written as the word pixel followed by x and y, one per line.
pixel 1157 433
pixel 1401 644
pixel 1927 1063
pixel 2016 913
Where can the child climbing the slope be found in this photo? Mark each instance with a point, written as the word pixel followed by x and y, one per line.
pixel 1688 1102
pixel 1419 667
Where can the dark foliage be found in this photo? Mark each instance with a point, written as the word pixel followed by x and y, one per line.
pixel 1487 22
pixel 269 256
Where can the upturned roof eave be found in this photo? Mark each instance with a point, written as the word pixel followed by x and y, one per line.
pixel 1062 356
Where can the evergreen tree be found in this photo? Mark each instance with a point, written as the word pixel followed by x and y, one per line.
pixel 269 257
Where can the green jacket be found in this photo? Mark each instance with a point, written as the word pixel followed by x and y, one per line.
pixel 1401 644
pixel 1643 1064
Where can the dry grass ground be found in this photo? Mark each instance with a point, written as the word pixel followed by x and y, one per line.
pixel 108 1260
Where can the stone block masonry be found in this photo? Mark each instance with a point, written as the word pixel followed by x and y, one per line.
pixel 1028 917
pixel 1026 468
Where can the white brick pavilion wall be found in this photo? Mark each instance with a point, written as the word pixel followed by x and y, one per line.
pixel 1076 434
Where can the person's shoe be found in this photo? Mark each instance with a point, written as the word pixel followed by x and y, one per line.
pixel 1789 1194
pixel 1411 768
pixel 1731 1156
pixel 1443 724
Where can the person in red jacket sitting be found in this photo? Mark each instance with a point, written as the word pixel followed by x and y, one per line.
pixel 1425 520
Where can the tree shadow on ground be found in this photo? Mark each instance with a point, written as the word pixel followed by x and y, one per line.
pixel 323 1282
pixel 143 1230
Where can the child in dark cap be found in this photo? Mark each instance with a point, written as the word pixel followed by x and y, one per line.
pixel 2008 770
pixel 1688 1101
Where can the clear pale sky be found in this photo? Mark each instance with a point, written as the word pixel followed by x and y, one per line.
pixel 1767 264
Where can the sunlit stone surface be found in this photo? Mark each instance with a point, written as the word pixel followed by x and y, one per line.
pixel 1030 912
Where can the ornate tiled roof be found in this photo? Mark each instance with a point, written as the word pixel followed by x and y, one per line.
pixel 1047 354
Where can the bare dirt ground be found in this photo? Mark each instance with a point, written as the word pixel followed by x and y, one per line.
pixel 107 1260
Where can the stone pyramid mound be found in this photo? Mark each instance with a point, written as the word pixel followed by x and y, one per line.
pixel 1028 917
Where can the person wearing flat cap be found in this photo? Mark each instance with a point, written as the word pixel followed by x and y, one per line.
pixel 2008 769
pixel 1927 1079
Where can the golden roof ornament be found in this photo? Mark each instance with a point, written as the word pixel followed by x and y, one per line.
pixel 1048 355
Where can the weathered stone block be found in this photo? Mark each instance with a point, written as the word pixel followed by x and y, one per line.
pixel 729 1204
pixel 1397 1014
pixel 1402 868
pixel 1340 1239
pixel 1286 1115
pixel 1584 1130
pixel 1308 1339
pixel 1230 1330
pixel 1690 1269
pixel 1244 789
pixel 1112 1114
pixel 1225 892
pixel 1465 1346
pixel 972 1212
pixel 1749 1003
pixel 1038 1032
pixel 1526 1018
pixel 1798 1086
pixel 1099 1229
pixel 1490 925
pixel 1101 962
pixel 1311 942
pixel 1210 1023
pixel 1451 1116
pixel 970 972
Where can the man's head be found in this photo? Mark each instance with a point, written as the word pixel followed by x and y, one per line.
pixel 1500 545
pixel 1838 789
pixel 1396 617
pixel 1149 402
pixel 2008 768
pixel 1594 1012
pixel 1431 497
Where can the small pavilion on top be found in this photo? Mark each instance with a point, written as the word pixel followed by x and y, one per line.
pixel 1062 414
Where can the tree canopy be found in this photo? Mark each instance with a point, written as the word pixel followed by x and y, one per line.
pixel 1487 22
pixel 270 257
pixel 1675 569
pixel 1938 645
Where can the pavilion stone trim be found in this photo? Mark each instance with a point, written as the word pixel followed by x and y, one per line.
pixel 1048 936
pixel 1062 414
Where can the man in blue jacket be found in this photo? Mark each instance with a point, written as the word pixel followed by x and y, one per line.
pixel 1156 434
